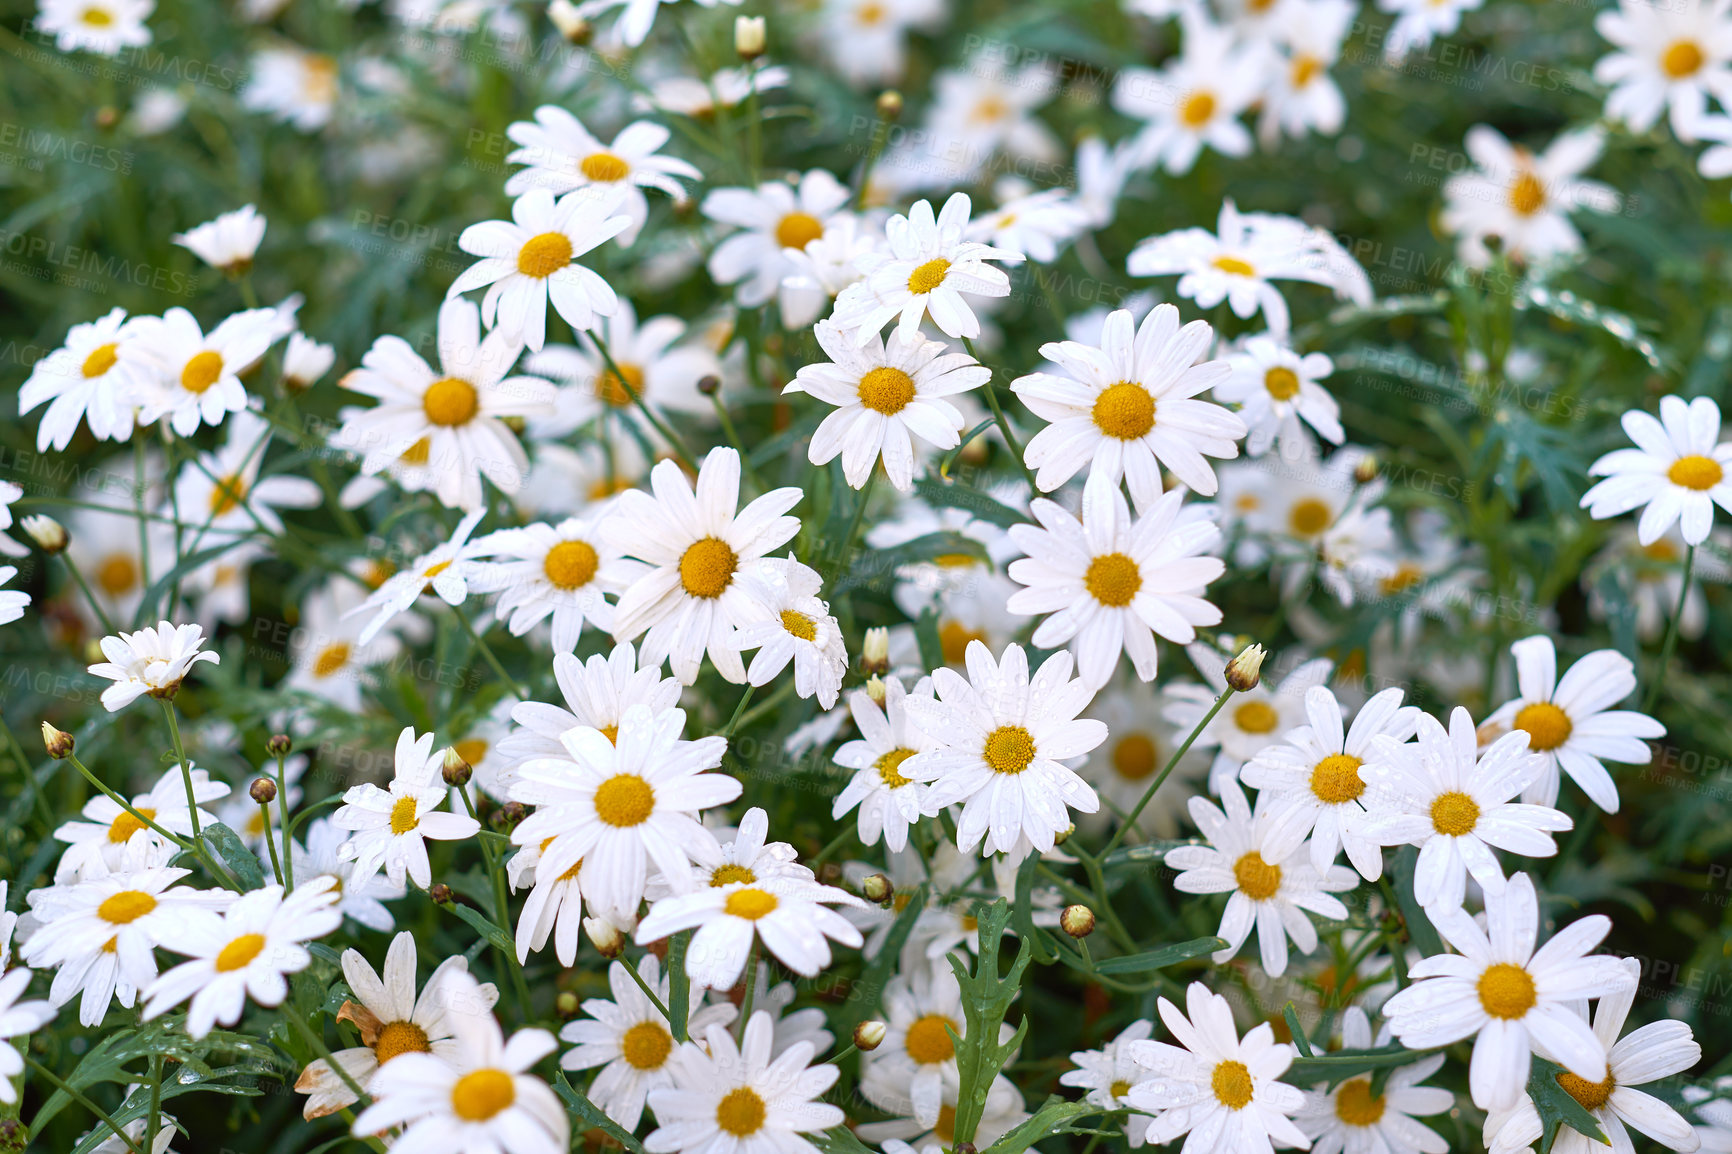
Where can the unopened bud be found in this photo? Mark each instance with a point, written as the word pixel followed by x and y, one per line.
pixel 1243 672
pixel 263 790
pixel 709 384
pixel 279 745
pixel 1063 835
pixel 107 116
pixel 567 1004
pixel 869 1035
pixel 1365 471
pixel 749 36
pixel 875 689
pixel 875 650
pixel 457 772
pixel 889 104
pixel 604 936
pixel 507 817
pixel 1077 921
pixel 441 894
pixel 963 1148
pixel 877 888
pixel 58 741
pixel 14 1136
pixel 564 16
pixel 49 534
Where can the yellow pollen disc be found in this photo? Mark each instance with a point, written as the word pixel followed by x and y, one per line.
pixel 970 923
pixel 239 953
pixel 1547 726
pixel 1125 410
pixel 617 390
pixel 1282 383
pixel 1405 577
pixel 989 111
pixel 450 402
pixel 1335 780
pixel 1258 880
pixel 707 566
pixel 1134 756
pixel 101 358
pixel 1304 70
pixel 1119 1089
pixel 480 1094
pixel 396 1038
pixel 869 14
pixel 1009 749
pixel 886 390
pixel 403 816
pixel 888 765
pixel 471 749
pixel 1234 266
pixel 900 901
pixel 624 800
pixel 125 907
pixel 121 829
pixel 1661 550
pixel 1506 991
pixel 604 168
pixel 1355 1106
pixel 542 256
pixel 611 732
pixel 1682 58
pixel 1231 1082
pixel 798 229
pixel 202 371
pixel 1591 1095
pixel 1197 110
pixel 417 453
pixel 571 564
pixel 97 17
pixel 227 495
pixel 117 574
pixel 741 1113
pixel 1309 517
pixel 928 276
pixel 729 874
pixel 570 875
pixel 112 945
pixel 799 625
pixel 928 1043
pixel 1696 472
pixel 646 1046
pixel 1454 814
pixel 956 560
pixel 751 904
pixel 954 638
pixel 435 569
pixel 945 1127
pixel 1113 579
pixel 378 572
pixel 1256 717
pixel 1527 195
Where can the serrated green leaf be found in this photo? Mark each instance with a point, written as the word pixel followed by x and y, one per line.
pixel 986 999
pixel 1053 1117
pixel 242 862
pixel 1555 1106
pixel 1159 959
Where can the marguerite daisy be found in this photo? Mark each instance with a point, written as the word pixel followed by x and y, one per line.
pixel 1276 388
pixel 1673 57
pixel 228 242
pixel 221 492
pixel 890 804
pixel 102 26
pixel 18 1018
pixel 1107 1075
pixel 446 569
pixel 188 376
pixel 597 692
pixel 112 839
pixel 1522 199
pixel 789 915
pixel 562 571
pixel 391 826
pixel 1348 1116
pixel 155 660
pixel 1677 469
pixel 1195 101
pixel 563 155
pixel 771 219
pixel 799 629
pixel 84 378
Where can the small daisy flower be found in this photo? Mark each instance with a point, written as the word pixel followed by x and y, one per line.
pixel 1218 1089
pixel 155 660
pixel 18 1018
pixel 818 273
pixel 305 361
pixel 1276 388
pixel 1418 22
pixel 360 897
pixel 1251 721
pixel 688 596
pixel 1677 470
pixel 1003 1112
pixel 1452 799
pixel 748 858
pixel 393 1018
pixel 529 261
pixel 771 220
pixel 1506 995
pixel 927 268
pixel 391 826
pixel 101 26
pixel 1195 101
pixel 883 392
pixel 1110 583
pixel 1522 199
pixel 189 377
pixel 1570 723
pixel 790 916
pixel 1003 738
pixel 12 601
pixel 597 691
pixel 84 378
pixel 562 571
pixel 800 629
pixel 740 1098
pixel 1350 1116
pixel 1107 1074
pixel 1036 224
pixel 228 242
pixel 652 363
pixel 700 96
pixel 111 839
pixel 221 490
pixel 1302 97
pixel 294 86
pixel 446 570
pixel 1271 883
pixel 1666 58
pixel 563 155
pixel 889 803
pixel 249 951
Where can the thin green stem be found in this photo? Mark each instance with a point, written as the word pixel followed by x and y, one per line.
pixel 502 910
pixel 104 1116
pixel 487 654
pixel 751 989
pixel 656 422
pixel 739 708
pixel 647 992
pixel 155 1099
pixel 1149 793
pixel 1671 641
pixel 276 866
pixel 283 822
pixel 316 1040
pixel 95 605
pixel 836 843
pixel 179 841
pixel 1010 440
pixel 185 767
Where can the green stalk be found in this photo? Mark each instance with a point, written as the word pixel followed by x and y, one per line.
pixel 1149 793
pixel 102 1115
pixel 1671 641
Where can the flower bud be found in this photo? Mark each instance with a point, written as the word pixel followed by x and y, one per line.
pixel 604 936
pixel 963 1148
pixel 457 772
pixel 709 384
pixel 263 790
pixel 875 689
pixel 1243 671
pixel 279 745
pixel 749 36
pixel 564 16
pixel 58 741
pixel 1077 921
pixel 889 105
pixel 1365 471
pixel 869 1035
pixel 877 888
pixel 1063 835
pixel 441 894
pixel 566 1004
pixel 305 361
pixel 875 650
pixel 508 816
pixel 49 534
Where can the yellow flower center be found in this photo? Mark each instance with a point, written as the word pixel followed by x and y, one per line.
pixel 618 390
pixel 102 357
pixel 1696 472
pixel 570 564
pixel 1526 194
pixel 1309 517
pixel 1591 1095
pixel 1547 726
pixel 1258 880
pixel 751 904
pixel 449 402
pixel 480 1094
pixel 1125 410
pixel 226 495
pixel 928 276
pixel 604 168
pixel 646 1046
pixel 1256 717
pixel 1234 266
pixel 1197 110
pixel 1454 814
pixel 1282 383
pixel 887 767
pixel 403 816
pixel 611 732
pixel 117 574
pixel 741 1113
pixel 799 625
pixel 1405 577
pixel 240 953
pixel 869 14
pixel 928 1041
pixel 1335 780
pixel 730 874
pixel 707 566
pixel 1009 749
pixel 1134 756
pixel 398 1038
pixel 125 907
pixel 625 800
pixel 202 371
pixel 417 453
pixel 886 390
pixel 542 256
pixel 1506 991
pixel 1355 1105
pixel 945 1127
pixel 1682 58
pixel 125 824
pixel 1119 1089
pixel 1231 1082
pixel 97 18
pixel 1113 579
pixel 1304 70
pixel 954 638
pixel 798 229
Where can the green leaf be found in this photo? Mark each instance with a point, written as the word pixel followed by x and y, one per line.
pixel 1291 1017
pixel 242 862
pixel 147 608
pixel 841 1140
pixel 931 645
pixel 1566 305
pixel 586 1110
pixel 1556 1107
pixel 956 495
pixel 876 568
pixel 986 999
pixel 1335 1068
pixel 1144 853
pixel 1054 1117
pixel 480 923
pixel 1160 959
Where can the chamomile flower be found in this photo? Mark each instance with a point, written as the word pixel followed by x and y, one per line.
pixel 391 826
pixel 799 629
pixel 1524 199
pixel 1276 389
pixel 690 593
pixel 112 839
pixel 221 491
pixel 154 660
pixel 18 1018
pixel 12 601
pixel 1666 59
pixel 770 219
pixel 1418 22
pixel 597 691
pixel 190 377
pixel 1128 407
pixel 228 242
pixel 530 261
pixel 1302 97
pixel 789 915
pixel 249 951
pixel 1453 800
pixel 1107 1075
pixel 1002 740
pixel 818 273
pixel 1110 583
pixel 293 85
pixel 84 378
pixel 446 570
pixel 105 27
pixel 1348 1116
pixel 885 390
pixel 924 270
pixel 865 39
pixel 889 803
pixel 562 571
pixel 1508 996
pixel 1677 470
pixel 360 897
pixel 563 155
pixel 1196 101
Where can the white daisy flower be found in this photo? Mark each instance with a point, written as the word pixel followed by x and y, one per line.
pixel 187 376
pixel 481 1098
pixel 84 378
pixel 1195 101
pixel 326 656
pixel 1570 723
pixel 530 260
pixel 305 361
pixel 446 569
pixel 228 242
pixel 818 273
pixel 1107 1074
pixel 789 915
pixel 221 491
pixel 1127 407
pixel 1110 583
pixel 1522 199
pixel 1677 470
pixel 111 840
pixel 622 803
pixel 18 1018
pixel 563 155
pixel 883 392
pixel 1272 883
pixel 393 1018
pixel 1276 388
pixel 1667 58
pixel 747 858
pixel 740 1098
pixel 1034 223
pixel 361 897
pixel 662 372
pixel 248 951
pixel 560 571
pixel 391 826
pixel 292 85
pixel 1302 97
pixel 771 219
pixel 1418 22
pixel 154 660
pixel 629 1039
pixel 1219 1090
pixel 597 691
pixel 1506 995
pixel 890 804
pixel 924 269
pixel 1649 579
pixel 1351 1117
pixel 865 39
pixel 101 26
pixel 1002 740
pixel 688 597
pixel 12 601
pixel 1003 1112
pixel 799 629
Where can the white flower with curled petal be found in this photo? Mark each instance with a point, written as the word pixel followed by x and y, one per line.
pixel 446 569
pixel 189 376
pixel 391 826
pixel 799 629
pixel 1677 470
pixel 1668 57
pixel 890 804
pixel 790 916
pixel 228 242
pixel 154 660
